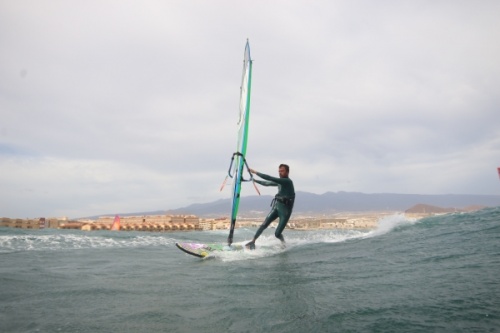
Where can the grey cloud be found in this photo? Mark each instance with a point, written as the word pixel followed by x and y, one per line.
pixel 132 107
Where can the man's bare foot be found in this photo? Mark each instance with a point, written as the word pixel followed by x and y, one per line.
pixel 250 245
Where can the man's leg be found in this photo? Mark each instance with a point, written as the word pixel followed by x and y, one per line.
pixel 270 218
pixel 282 239
pixel 284 215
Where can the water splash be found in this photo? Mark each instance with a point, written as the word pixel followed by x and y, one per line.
pixel 268 245
pixel 389 223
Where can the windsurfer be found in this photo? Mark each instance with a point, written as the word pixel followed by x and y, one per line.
pixel 282 204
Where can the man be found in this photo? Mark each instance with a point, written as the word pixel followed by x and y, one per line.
pixel 282 204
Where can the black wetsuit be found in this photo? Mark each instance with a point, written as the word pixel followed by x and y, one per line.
pixel 282 204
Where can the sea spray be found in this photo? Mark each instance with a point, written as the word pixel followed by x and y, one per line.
pixel 388 223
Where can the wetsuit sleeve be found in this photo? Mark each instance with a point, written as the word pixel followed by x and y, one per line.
pixel 285 185
pixel 265 183
pixel 271 178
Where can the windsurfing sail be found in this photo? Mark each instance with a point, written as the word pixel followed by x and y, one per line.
pixel 116 223
pixel 238 162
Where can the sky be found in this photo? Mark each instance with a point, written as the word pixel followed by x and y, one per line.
pixel 131 106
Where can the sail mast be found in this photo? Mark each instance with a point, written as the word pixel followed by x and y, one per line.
pixel 239 156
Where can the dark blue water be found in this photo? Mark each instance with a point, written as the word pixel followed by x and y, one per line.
pixel 439 274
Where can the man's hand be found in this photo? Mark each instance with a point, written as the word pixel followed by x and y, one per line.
pixel 252 170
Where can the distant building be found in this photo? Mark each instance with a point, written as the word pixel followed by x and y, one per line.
pixel 168 223
pixel 39 223
pixel 149 223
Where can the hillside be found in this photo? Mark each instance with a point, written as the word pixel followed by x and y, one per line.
pixel 331 202
pixel 429 209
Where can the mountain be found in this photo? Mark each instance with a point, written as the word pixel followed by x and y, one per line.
pixel 429 209
pixel 332 202
pixel 315 204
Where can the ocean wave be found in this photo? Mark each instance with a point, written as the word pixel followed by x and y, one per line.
pixel 54 242
pixel 391 222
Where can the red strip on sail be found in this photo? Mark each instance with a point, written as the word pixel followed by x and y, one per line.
pixel 116 223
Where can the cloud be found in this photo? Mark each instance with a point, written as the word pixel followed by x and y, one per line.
pixel 116 107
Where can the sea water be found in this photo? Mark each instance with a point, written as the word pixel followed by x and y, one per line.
pixel 437 274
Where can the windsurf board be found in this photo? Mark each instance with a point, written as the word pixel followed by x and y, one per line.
pixel 204 250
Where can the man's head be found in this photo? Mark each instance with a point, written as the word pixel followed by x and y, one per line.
pixel 284 170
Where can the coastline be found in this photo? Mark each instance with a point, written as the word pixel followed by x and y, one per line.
pixel 172 223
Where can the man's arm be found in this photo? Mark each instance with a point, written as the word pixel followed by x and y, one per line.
pixel 262 182
pixel 265 183
pixel 271 178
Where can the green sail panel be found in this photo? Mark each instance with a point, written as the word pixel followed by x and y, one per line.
pixel 241 148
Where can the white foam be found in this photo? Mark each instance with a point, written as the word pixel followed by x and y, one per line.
pixel 68 241
pixel 268 245
pixel 261 251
